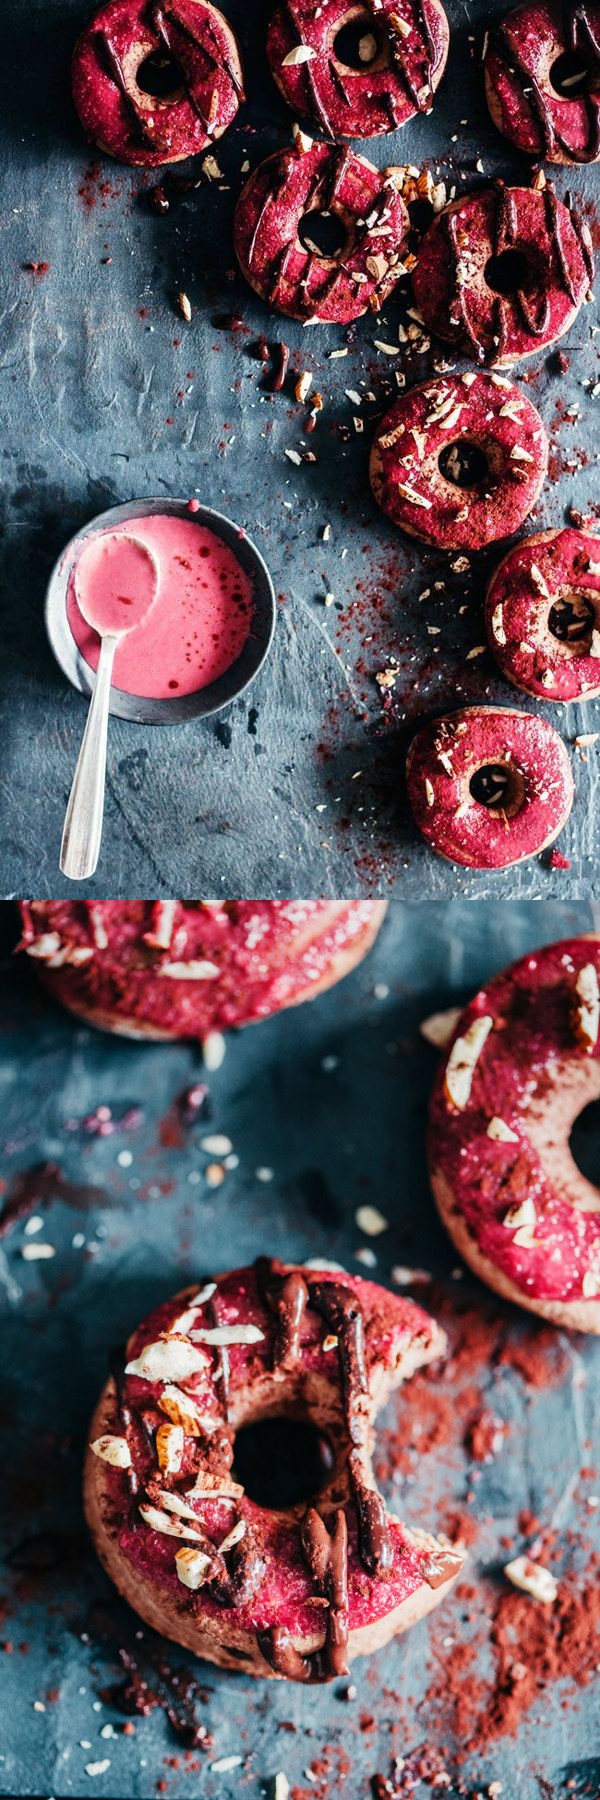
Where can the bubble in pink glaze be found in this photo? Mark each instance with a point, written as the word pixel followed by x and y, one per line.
pixel 200 619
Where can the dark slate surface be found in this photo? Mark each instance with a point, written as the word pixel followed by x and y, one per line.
pixel 334 1133
pixel 98 405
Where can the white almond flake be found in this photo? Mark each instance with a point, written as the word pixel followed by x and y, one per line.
pixel 590 1286
pixel 225 1763
pixel 217 1145
pixel 406 1277
pixel 539 581
pixel 321 1263
pixel 524 1238
pixel 182 1410
pixel 230 1334
pixel 213 1050
pixel 499 1129
pixel 587 1014
pixel 524 1214
pixel 301 53
pixel 498 631
pixel 238 1531
pixel 170 1359
pixel 189 971
pixel 281 1789
pixel 170 1527
pixel 518 454
pixel 192 1567
pixel 170 1441
pixel 388 349
pixel 37 1252
pixel 159 938
pixel 533 1578
pixel 98 1768
pixel 462 1061
pixel 113 1450
pixel 438 1028
pixel 370 1220
pixel 45 946
pixel 181 1325
pixel 215 1487
pixel 410 494
pixel 594 645
pixel 587 738
pixel 293 457
pixel 429 792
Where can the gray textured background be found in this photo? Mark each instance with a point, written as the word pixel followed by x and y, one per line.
pixel 92 361
pixel 333 1139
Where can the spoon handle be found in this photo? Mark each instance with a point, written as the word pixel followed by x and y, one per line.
pixel 82 833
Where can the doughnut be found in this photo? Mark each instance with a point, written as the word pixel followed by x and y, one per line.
pixel 295 1592
pixel 560 123
pixel 542 615
pixel 459 461
pixel 489 786
pixel 160 110
pixel 503 272
pixel 524 1060
pixel 174 968
pixel 360 205
pixel 398 58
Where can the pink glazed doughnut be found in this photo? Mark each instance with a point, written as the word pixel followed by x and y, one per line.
pixel 522 51
pixel 503 272
pixel 401 59
pixel 542 615
pixel 293 275
pixel 194 55
pixel 292 1593
pixel 489 787
pixel 523 1062
pixel 423 441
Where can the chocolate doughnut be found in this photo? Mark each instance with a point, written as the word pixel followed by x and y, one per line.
pixel 460 460
pixel 523 1062
pixel 559 123
pixel 502 273
pixel 360 203
pixel 398 61
pixel 153 83
pixel 186 968
pixel 489 786
pixel 542 615
pixel 292 1592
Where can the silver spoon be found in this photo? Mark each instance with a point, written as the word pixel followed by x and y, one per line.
pixel 116 584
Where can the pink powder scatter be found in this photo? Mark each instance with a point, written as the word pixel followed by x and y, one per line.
pixel 200 619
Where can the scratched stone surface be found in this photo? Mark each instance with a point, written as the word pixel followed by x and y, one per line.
pixel 106 394
pixel 331 1100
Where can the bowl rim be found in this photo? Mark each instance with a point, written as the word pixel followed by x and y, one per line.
pixel 217 694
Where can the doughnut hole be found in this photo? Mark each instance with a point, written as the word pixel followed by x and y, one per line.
pixel 325 234
pixel 584 1143
pixel 463 463
pixel 358 43
pixel 281 1461
pixel 571 75
pixel 500 787
pixel 572 619
pixel 160 76
pixel 510 272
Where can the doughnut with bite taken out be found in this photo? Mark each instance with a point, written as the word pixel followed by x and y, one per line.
pixel 523 1062
pixel 154 83
pixel 292 1592
pixel 489 787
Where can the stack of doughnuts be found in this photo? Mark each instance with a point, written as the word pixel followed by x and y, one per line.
pixel 177 969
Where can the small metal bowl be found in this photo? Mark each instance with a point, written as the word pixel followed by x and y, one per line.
pixel 216 694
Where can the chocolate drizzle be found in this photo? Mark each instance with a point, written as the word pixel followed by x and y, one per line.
pixel 341 1309
pixel 579 40
pixel 534 310
pixel 287 1297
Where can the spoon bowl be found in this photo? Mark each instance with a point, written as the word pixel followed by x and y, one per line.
pixel 116 583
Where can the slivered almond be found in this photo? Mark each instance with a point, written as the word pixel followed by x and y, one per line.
pixel 170 1442
pixel 170 1527
pixel 533 1578
pixel 182 1410
pixel 586 1013
pixel 230 1334
pixel 170 1359
pixel 520 1216
pixel 462 1061
pixel 301 53
pixel 499 1130
pixel 113 1450
pixel 192 1567
pixel 498 631
pixel 590 1285
pixel 189 971
pixel 234 1536
pixel 438 1028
